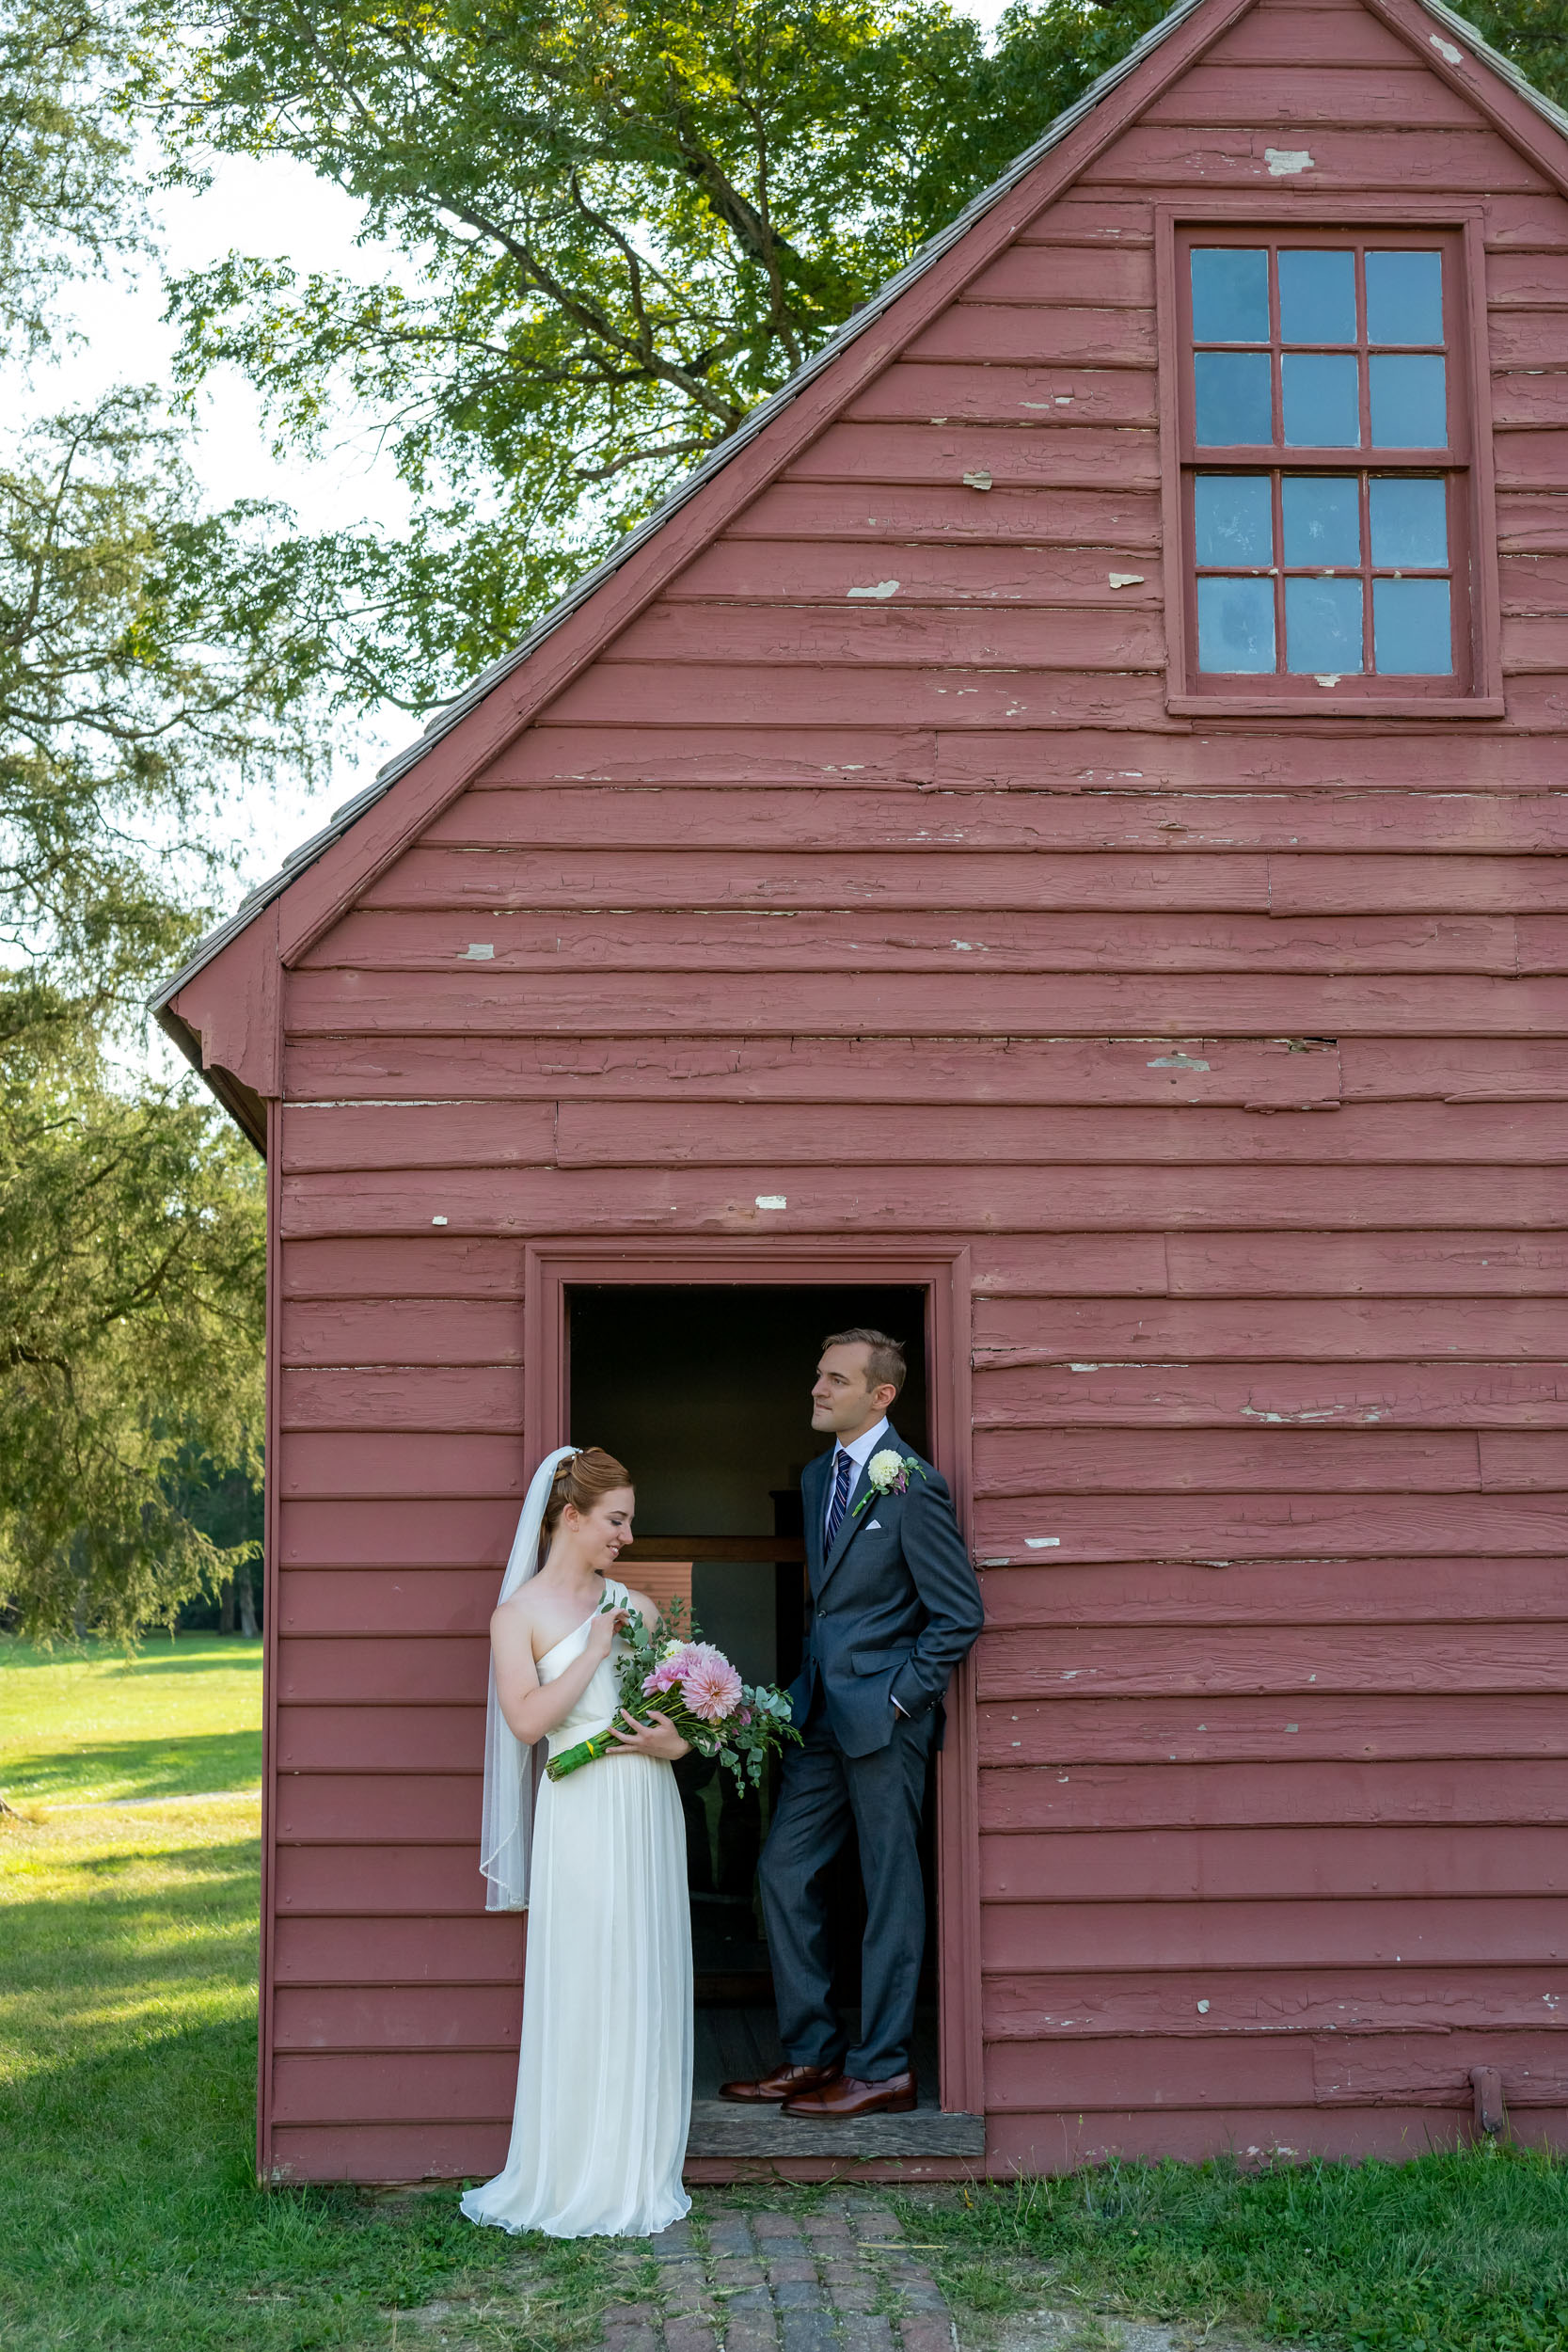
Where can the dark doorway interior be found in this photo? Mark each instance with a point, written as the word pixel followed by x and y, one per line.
pixel 704 1393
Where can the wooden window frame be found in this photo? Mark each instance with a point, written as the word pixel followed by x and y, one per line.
pixel 1302 209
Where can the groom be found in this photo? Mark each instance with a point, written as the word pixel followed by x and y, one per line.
pixel 894 1607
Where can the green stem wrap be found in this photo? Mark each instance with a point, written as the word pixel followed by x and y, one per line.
pixel 586 1751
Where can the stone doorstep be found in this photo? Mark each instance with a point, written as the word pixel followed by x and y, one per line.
pixel 720 2129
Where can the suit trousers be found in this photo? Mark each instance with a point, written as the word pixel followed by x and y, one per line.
pixel 822 1792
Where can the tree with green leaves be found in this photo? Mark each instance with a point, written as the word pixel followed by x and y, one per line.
pixel 150 655
pixel 618 226
pixel 621 228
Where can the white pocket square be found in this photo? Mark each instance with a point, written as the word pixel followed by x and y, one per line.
pixel 871 1523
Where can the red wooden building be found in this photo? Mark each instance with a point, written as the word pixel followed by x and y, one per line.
pixel 1050 838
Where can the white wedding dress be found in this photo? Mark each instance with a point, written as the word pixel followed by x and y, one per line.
pixel 603 2074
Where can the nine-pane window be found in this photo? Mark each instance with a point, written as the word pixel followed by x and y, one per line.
pixel 1324 455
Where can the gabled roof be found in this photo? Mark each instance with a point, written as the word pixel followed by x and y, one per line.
pixel 756 422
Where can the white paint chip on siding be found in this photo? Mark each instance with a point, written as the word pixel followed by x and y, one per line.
pixel 479 951
pixel 1445 49
pixel 771 1200
pixel 1284 161
pixel 1125 580
pixel 883 589
pixel 980 480
pixel 1043 1543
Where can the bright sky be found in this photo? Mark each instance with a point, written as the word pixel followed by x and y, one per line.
pixel 271 209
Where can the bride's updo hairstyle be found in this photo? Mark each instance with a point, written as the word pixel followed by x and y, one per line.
pixel 582 1482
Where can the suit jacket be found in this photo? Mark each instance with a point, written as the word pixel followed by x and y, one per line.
pixel 896 1603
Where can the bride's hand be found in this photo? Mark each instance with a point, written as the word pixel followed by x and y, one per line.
pixel 657 1737
pixel 602 1630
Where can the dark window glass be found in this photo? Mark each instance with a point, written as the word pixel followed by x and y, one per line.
pixel 1233 405
pixel 1405 297
pixel 1323 519
pixel 1317 297
pixel 1409 403
pixel 1235 624
pixel 1232 519
pixel 1230 295
pixel 1323 625
pixel 1322 400
pixel 1409 521
pixel 1327 557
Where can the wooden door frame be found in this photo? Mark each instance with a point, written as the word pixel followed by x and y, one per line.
pixel 942 1271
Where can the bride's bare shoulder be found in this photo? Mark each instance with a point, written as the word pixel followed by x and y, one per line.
pixel 512 1619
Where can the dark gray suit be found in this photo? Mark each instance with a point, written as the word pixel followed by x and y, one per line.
pixel 895 1606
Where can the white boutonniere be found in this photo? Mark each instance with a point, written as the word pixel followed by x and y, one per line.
pixel 886 1473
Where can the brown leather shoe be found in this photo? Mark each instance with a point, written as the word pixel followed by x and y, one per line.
pixel 848 2096
pixel 770 2090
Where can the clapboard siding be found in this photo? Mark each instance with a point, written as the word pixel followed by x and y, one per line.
pixel 1495 795
pixel 931 1199
pixel 1431 1930
pixel 1094 1798
pixel 1221 1866
pixel 851 1071
pixel 393 1808
pixel 459 1399
pixel 1049 2007
pixel 1313 1328
pixel 397 2018
pixel 430 941
pixel 1327 1660
pixel 928 1004
pixel 595 1135
pixel 865 872
pixel 401 1949
pixel 1087 1394
pixel 1312 1728
pixel 1276 2070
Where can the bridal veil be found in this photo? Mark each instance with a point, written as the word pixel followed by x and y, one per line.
pixel 506 1832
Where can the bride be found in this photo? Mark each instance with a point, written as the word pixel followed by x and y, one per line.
pixel 603 2074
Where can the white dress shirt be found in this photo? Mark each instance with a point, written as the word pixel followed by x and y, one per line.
pixel 860 1450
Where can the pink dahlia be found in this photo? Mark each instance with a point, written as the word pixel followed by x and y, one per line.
pixel 709 1683
pixel 666 1676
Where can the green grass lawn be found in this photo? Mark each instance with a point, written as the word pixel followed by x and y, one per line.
pixel 130 2217
pixel 1451 2254
pixel 90 1725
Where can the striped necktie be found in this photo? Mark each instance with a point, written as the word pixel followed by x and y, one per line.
pixel 843 1471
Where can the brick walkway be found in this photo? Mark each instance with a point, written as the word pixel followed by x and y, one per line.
pixel 839 2280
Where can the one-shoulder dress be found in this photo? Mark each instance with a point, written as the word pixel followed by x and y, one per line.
pixel 604 2074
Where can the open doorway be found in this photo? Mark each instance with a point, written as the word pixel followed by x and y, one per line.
pixel 703 1392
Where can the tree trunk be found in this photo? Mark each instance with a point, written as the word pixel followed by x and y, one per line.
pixel 226 1606
pixel 247 1604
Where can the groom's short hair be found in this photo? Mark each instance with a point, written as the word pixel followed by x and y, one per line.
pixel 886 1359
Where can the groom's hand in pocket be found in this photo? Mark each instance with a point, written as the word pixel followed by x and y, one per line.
pixel 657 1737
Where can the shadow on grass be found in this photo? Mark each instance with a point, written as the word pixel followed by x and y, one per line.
pixel 195 1654
pixel 191 1764
pixel 196 1923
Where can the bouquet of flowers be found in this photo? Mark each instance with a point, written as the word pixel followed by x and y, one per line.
pixel 701 1692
